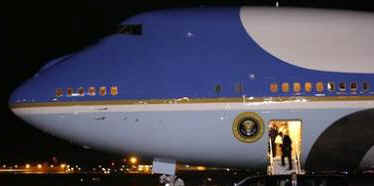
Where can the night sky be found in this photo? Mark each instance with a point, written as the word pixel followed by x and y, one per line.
pixel 37 32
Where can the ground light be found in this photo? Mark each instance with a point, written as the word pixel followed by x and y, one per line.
pixel 133 160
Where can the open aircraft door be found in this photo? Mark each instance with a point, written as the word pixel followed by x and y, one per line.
pixel 285 142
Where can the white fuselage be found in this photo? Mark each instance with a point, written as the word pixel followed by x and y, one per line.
pixel 191 133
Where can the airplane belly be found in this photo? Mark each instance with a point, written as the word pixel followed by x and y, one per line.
pixel 190 133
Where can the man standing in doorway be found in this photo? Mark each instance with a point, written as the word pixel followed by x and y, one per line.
pixel 286 150
pixel 273 133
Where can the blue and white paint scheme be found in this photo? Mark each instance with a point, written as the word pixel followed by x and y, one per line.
pixel 181 83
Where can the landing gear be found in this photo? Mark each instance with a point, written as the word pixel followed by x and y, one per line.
pixel 167 169
pixel 170 180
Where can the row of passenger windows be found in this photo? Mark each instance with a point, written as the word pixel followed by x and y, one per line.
pixel 91 91
pixel 319 86
pixel 285 87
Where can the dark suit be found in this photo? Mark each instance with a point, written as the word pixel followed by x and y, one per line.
pixel 287 150
pixel 273 134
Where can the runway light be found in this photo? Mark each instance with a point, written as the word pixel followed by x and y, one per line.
pixel 200 168
pixel 27 166
pixel 146 169
pixel 133 160
pixel 62 166
pixel 39 166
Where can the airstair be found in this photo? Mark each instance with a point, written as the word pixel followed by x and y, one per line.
pixel 275 164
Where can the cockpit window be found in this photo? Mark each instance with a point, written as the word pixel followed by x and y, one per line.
pixel 133 29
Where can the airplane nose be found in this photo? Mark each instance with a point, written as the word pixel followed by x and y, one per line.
pixel 16 98
pixel 22 94
pixel 23 99
pixel 34 90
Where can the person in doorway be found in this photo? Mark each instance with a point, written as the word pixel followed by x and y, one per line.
pixel 273 133
pixel 278 142
pixel 286 150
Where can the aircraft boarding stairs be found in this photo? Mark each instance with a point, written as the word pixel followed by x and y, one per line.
pixel 275 169
pixel 275 165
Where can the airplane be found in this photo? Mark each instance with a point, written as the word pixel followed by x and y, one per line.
pixel 205 85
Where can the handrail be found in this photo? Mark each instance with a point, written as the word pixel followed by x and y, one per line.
pixel 299 170
pixel 244 180
pixel 298 164
pixel 271 158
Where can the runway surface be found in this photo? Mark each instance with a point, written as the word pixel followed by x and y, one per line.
pixel 190 179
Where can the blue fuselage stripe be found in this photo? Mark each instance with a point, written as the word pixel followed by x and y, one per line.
pixel 180 54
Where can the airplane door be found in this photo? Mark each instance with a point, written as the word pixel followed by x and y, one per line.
pixel 285 141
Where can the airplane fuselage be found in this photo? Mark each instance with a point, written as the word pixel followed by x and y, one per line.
pixel 175 88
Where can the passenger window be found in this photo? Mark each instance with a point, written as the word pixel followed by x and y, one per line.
pixel 342 86
pixel 102 91
pixel 274 87
pixel 353 86
pixel 92 91
pixel 218 89
pixel 114 90
pixel 59 92
pixel 239 88
pixel 331 86
pixel 81 91
pixel 365 86
pixel 70 91
pixel 296 87
pixel 285 87
pixel 308 86
pixel 319 86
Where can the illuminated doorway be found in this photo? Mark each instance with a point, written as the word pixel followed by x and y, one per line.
pixel 285 140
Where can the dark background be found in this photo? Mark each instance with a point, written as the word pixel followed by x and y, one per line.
pixel 40 31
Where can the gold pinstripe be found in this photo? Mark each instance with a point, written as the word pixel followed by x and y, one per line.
pixel 196 100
